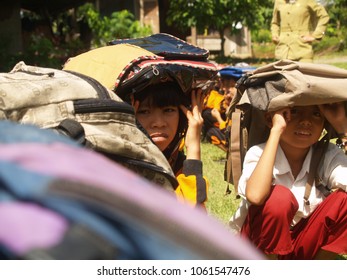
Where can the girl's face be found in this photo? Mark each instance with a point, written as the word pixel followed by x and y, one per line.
pixel 304 127
pixel 228 87
pixel 161 123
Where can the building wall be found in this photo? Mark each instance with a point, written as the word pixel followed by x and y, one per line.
pixel 150 15
pixel 238 45
pixel 234 45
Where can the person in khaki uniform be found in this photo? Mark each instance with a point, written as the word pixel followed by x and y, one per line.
pixel 295 25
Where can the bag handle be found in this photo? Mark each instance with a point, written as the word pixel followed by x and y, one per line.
pixel 73 129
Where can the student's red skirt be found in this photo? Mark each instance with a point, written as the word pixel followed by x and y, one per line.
pixel 268 226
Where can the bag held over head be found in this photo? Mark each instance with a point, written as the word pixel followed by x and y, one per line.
pixel 130 65
pixel 80 107
pixel 284 83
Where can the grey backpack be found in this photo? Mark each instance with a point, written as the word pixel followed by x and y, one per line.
pixel 81 108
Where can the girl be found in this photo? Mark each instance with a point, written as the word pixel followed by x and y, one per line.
pixel 162 111
pixel 274 214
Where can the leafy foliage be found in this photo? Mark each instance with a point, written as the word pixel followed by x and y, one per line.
pixel 218 15
pixel 62 35
pixel 120 24
pixel 337 10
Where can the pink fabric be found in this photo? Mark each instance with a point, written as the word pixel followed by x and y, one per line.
pixel 26 226
pixel 268 226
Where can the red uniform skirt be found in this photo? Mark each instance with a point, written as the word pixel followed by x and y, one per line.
pixel 268 226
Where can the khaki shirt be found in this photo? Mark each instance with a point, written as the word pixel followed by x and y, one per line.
pixel 291 21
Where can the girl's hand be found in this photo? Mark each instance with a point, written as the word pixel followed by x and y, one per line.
pixel 216 114
pixel 307 38
pixel 278 120
pixel 195 123
pixel 275 39
pixel 335 114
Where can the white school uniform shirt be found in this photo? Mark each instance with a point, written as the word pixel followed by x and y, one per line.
pixel 333 173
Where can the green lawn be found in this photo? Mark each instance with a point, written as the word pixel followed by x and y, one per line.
pixel 219 205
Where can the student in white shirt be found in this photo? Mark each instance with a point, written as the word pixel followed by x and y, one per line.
pixel 273 214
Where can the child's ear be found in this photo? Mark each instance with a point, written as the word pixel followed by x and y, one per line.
pixel 136 105
pixel 132 99
pixel 268 119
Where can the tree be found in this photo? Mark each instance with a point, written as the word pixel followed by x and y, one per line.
pixel 338 14
pixel 120 24
pixel 218 15
pixel 336 33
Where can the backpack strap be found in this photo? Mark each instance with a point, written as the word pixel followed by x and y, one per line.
pixel 73 129
pixel 234 161
pixel 317 157
pixel 233 165
pixel 235 148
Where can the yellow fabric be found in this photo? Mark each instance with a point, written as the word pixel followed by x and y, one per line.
pixel 291 21
pixel 214 100
pixel 181 146
pixel 215 140
pixel 224 124
pixel 186 191
pixel 105 64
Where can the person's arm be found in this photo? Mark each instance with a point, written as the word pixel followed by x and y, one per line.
pixel 195 123
pixel 193 186
pixel 216 114
pixel 321 19
pixel 259 184
pixel 275 24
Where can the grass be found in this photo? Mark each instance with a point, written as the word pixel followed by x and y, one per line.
pixel 340 64
pixel 264 53
pixel 219 205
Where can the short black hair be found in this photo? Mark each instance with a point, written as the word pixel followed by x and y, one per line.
pixel 163 94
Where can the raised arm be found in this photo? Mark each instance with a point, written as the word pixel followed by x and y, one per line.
pixel 259 184
pixel 195 123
